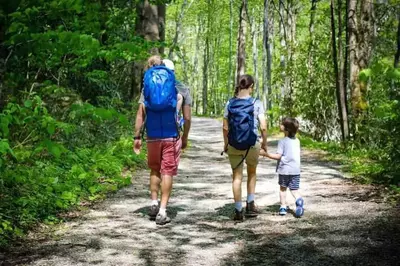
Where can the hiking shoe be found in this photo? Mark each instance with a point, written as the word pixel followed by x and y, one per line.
pixel 153 211
pixel 299 207
pixel 238 216
pixel 282 211
pixel 162 219
pixel 251 209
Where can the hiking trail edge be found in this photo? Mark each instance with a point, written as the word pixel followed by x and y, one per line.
pixel 342 225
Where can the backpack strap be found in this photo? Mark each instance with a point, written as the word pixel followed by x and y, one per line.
pixel 244 157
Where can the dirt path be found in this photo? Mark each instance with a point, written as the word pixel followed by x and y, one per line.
pixel 341 226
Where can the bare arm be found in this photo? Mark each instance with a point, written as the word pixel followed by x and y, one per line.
pixel 263 129
pixel 139 120
pixel 275 156
pixel 225 129
pixel 187 116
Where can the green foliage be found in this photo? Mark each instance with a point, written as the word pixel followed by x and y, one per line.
pixel 366 165
pixel 53 165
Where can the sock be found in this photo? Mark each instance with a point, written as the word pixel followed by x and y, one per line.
pixel 283 206
pixel 154 202
pixel 238 206
pixel 162 211
pixel 250 197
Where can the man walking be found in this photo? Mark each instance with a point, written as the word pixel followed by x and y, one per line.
pixel 164 141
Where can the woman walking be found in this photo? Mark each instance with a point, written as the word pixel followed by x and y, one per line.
pixel 243 117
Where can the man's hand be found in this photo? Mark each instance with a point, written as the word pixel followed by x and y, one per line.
pixel 137 145
pixel 184 142
pixel 226 148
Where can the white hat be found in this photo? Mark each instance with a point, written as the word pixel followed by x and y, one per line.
pixel 168 63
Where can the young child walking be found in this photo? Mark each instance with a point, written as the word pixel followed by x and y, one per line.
pixel 288 165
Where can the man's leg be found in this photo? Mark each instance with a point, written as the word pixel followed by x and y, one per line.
pixel 155 181
pixel 169 168
pixel 154 163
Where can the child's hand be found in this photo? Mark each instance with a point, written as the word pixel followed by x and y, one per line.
pixel 263 153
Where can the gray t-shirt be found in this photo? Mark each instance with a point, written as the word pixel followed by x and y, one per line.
pixel 289 164
pixel 258 109
pixel 182 89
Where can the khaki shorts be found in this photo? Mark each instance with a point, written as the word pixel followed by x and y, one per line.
pixel 236 156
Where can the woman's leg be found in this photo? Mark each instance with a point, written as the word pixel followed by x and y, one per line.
pixel 237 187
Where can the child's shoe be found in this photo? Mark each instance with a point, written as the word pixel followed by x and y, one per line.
pixel 299 207
pixel 282 211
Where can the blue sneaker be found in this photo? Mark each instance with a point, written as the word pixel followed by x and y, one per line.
pixel 282 211
pixel 299 207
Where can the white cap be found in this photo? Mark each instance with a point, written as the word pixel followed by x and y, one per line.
pixel 168 63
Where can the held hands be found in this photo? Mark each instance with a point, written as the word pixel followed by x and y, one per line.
pixel 264 147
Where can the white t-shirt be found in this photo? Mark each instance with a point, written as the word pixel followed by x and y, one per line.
pixel 289 164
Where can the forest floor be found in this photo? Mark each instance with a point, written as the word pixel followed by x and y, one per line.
pixel 344 223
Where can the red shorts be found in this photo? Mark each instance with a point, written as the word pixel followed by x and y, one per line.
pixel 163 155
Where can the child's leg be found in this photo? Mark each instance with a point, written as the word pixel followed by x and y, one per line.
pixel 296 193
pixel 294 186
pixel 282 195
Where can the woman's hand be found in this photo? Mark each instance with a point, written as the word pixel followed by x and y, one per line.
pixel 263 153
pixel 264 147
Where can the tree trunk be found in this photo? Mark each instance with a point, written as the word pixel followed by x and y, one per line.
pixel 196 83
pixel 150 25
pixel 254 36
pixel 353 58
pixel 178 29
pixel 397 56
pixel 312 41
pixel 340 95
pixel 360 37
pixel 282 33
pixel 266 59
pixel 241 58
pixel 162 13
pixel 343 111
pixel 230 46
pixel 206 58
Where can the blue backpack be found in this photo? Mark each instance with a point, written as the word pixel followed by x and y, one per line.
pixel 241 133
pixel 160 99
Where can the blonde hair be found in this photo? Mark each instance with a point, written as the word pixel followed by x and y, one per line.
pixel 154 60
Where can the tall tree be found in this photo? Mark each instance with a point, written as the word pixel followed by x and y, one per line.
pixel 150 25
pixel 267 59
pixel 206 58
pixel 360 47
pixel 230 77
pixel 283 42
pixel 241 53
pixel 397 55
pixel 337 59
pixel 312 41
pixel 178 30
pixel 254 36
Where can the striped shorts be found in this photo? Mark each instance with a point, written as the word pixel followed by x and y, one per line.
pixel 290 181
